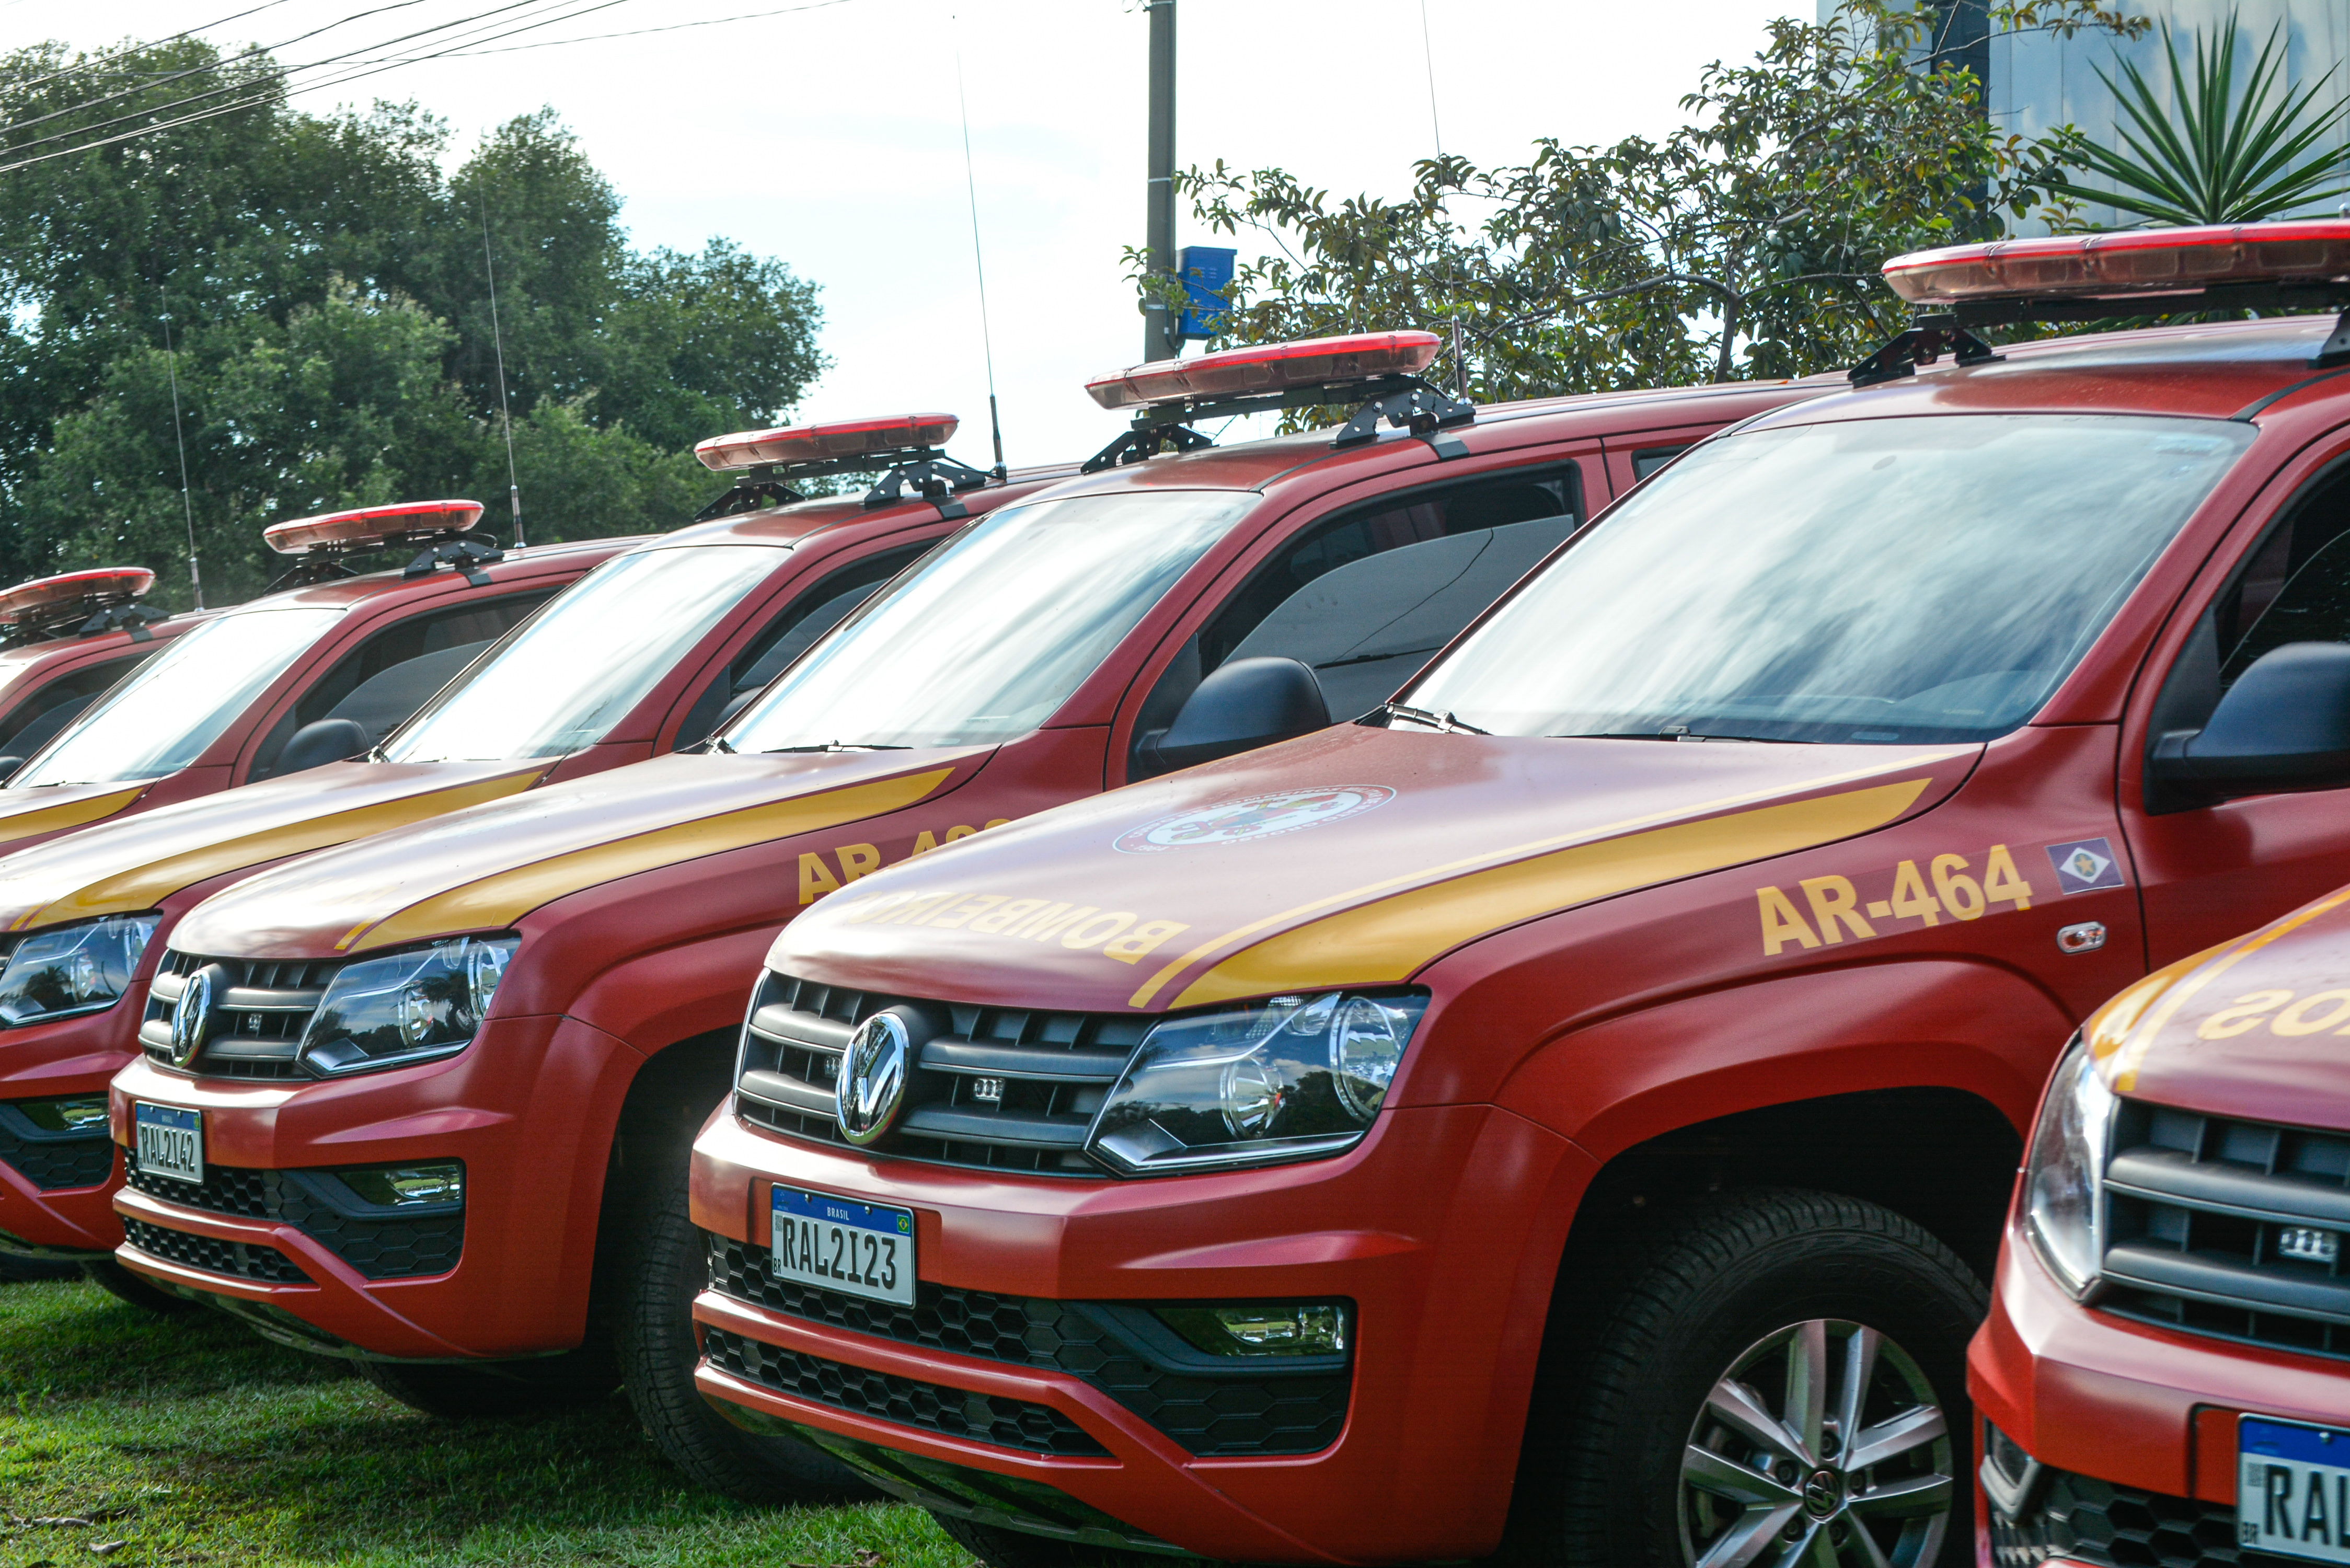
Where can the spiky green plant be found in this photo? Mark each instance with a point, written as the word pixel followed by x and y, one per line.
pixel 2221 155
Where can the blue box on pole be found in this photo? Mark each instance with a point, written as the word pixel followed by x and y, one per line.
pixel 1206 272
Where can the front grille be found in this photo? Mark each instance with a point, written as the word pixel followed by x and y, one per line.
pixel 1254 1408
pixel 53 1161
pixel 238 1260
pixel 257 1019
pixel 2197 1209
pixel 1009 1089
pixel 958 1413
pixel 2106 1526
pixel 380 1243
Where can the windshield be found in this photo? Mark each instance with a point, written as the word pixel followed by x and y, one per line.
pixel 162 718
pixel 1888 580
pixel 991 633
pixel 560 682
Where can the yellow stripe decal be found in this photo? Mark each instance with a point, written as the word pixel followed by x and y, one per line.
pixel 502 898
pixel 1576 841
pixel 144 887
pixel 2123 1075
pixel 72 814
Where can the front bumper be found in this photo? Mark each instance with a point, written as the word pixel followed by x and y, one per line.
pixel 1438 1230
pixel 2133 1427
pixel 57 1191
pixel 528 1110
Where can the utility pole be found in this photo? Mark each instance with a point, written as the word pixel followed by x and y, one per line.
pixel 1159 339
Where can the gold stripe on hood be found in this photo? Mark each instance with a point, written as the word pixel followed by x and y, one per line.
pixel 1391 938
pixel 505 896
pixel 144 887
pixel 72 814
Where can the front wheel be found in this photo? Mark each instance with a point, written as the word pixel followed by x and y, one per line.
pixel 1782 1382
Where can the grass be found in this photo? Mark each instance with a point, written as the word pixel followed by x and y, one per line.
pixel 189 1441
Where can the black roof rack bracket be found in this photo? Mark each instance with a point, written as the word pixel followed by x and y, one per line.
pixel 932 475
pixel 1923 342
pixel 1420 409
pixel 466 552
pixel 1407 401
pixel 1145 441
pixel 2335 349
pixel 756 492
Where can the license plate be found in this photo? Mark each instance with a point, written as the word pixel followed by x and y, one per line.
pixel 840 1244
pixel 171 1141
pixel 2293 1494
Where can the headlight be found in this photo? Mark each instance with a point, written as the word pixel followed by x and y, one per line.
pixel 2064 1174
pixel 1293 1078
pixel 73 969
pixel 406 1007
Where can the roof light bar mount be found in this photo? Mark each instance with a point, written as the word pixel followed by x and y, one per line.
pixel 933 474
pixel 75 618
pixel 468 554
pixel 1405 401
pixel 1924 341
pixel 758 490
pixel 326 563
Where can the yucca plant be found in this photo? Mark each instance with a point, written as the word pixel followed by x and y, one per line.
pixel 2222 154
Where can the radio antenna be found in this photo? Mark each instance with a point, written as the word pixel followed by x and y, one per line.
pixel 498 343
pixel 979 266
pixel 171 370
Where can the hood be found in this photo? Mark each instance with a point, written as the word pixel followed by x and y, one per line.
pixel 137 863
pixel 30 813
pixel 486 868
pixel 2251 1028
pixel 1354 857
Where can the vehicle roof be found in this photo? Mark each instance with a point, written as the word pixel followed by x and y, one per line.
pixel 790 524
pixel 344 592
pixel 27 655
pixel 2225 370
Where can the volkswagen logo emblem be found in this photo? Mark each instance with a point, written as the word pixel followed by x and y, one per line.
pixel 192 1017
pixel 872 1078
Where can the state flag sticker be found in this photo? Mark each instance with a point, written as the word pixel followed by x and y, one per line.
pixel 2086 864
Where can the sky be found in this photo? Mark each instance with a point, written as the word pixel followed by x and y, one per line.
pixel 832 136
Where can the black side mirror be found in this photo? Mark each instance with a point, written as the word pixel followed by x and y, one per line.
pixel 2284 725
pixel 321 741
pixel 1245 704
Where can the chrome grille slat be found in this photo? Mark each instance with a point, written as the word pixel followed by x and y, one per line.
pixel 258 1023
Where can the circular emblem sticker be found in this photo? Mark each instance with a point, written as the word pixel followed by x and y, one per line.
pixel 1253 818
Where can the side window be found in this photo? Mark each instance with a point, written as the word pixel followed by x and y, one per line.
pixel 1648 459
pixel 1366 596
pixel 387 677
pixel 792 632
pixel 37 719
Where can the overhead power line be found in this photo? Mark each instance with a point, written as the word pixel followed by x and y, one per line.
pixel 640 32
pixel 88 62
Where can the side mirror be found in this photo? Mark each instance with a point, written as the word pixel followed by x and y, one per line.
pixel 1245 704
pixel 321 741
pixel 2284 725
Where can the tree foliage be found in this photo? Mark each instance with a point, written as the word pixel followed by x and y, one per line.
pixel 320 282
pixel 1747 243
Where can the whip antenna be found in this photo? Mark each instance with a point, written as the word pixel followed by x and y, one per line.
pixel 979 266
pixel 172 368
pixel 498 343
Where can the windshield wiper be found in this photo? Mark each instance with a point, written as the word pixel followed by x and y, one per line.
pixel 1444 721
pixel 835 746
pixel 719 744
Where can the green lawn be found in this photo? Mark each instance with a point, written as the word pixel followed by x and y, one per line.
pixel 189 1441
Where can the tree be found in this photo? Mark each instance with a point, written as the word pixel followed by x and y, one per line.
pixel 329 306
pixel 1745 244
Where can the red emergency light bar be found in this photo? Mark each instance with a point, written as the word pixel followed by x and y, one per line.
pixel 827 442
pixel 371 524
pixel 26 599
pixel 1267 368
pixel 2133 261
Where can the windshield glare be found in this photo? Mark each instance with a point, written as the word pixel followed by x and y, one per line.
pixel 1880 581
pixel 170 708
pixel 562 679
pixel 990 634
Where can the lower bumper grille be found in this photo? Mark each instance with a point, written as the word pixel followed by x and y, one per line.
pixel 2108 1526
pixel 1009 1423
pixel 385 1244
pixel 1251 1409
pixel 53 1161
pixel 238 1260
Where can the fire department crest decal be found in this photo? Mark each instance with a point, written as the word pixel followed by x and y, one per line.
pixel 1255 817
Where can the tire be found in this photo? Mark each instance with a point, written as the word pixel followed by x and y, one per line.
pixel 999 1548
pixel 457 1392
pixel 653 1335
pixel 1742 1301
pixel 124 1286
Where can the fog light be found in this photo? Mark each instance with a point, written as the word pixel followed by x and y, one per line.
pixel 83 1113
pixel 408 1186
pixel 1278 1328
